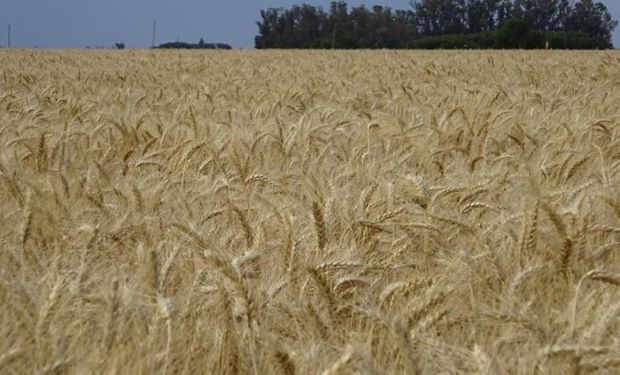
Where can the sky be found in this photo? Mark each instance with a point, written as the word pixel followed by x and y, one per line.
pixel 101 23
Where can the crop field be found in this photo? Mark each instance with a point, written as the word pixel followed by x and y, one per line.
pixel 309 212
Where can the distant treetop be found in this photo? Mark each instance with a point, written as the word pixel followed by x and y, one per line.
pixel 307 26
pixel 200 45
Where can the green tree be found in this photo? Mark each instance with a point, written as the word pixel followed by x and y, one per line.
pixel 563 15
pixel 592 18
pixel 361 20
pixel 307 26
pixel 404 29
pixel 312 25
pixel 539 14
pixel 267 29
pixel 436 17
pixel 382 26
pixel 341 26
pixel 481 15
pixel 517 34
pixel 504 11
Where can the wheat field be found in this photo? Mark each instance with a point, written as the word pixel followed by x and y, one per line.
pixel 282 212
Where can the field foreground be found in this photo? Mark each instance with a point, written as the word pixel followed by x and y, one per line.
pixel 309 212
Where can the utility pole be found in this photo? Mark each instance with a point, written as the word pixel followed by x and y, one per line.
pixel 154 29
pixel 9 37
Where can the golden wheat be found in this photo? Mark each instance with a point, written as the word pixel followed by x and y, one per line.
pixel 280 212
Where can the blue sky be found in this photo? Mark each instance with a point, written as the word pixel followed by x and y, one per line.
pixel 81 23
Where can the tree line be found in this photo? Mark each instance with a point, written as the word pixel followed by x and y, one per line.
pixel 200 45
pixel 440 24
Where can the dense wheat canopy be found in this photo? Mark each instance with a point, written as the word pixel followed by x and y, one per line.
pixel 309 212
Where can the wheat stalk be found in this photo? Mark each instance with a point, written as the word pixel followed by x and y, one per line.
pixel 319 225
pixel 9 357
pixel 347 358
pixel 113 317
pixel 284 361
